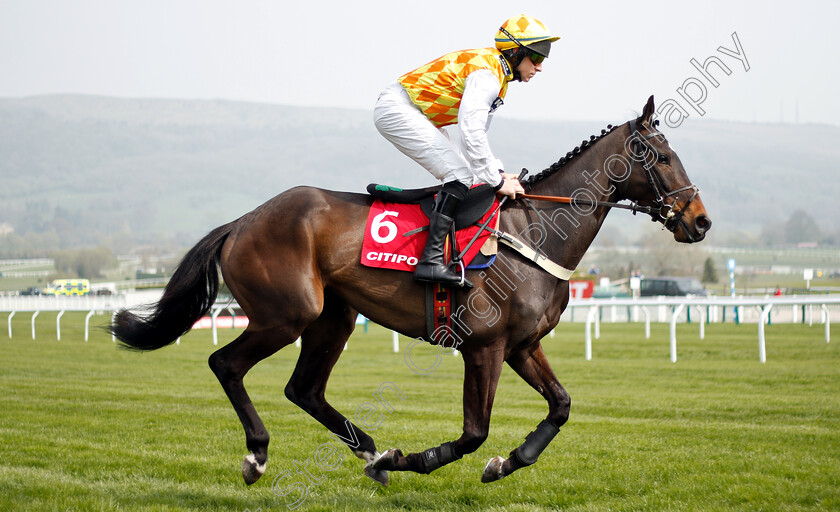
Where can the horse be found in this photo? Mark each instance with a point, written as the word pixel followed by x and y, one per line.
pixel 293 265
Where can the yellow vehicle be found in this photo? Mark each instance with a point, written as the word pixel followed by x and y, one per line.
pixel 68 287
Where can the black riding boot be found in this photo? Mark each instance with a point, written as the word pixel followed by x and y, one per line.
pixel 431 267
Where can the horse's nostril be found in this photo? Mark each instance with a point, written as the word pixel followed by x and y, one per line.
pixel 702 223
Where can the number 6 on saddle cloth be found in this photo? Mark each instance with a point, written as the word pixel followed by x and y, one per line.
pixel 396 232
pixel 397 223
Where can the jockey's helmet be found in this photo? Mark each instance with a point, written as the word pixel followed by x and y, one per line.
pixel 526 32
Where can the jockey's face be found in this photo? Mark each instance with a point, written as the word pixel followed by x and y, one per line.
pixel 527 69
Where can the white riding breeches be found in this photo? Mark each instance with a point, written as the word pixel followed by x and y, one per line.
pixel 441 151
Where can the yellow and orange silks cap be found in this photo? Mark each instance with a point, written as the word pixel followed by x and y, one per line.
pixel 522 30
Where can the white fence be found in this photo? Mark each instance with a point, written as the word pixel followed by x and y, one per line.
pixel 37 304
pixel 672 310
pixel 709 309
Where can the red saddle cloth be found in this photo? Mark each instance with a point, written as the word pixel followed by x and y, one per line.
pixel 385 245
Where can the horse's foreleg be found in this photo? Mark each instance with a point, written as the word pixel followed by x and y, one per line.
pixel 533 367
pixel 230 364
pixel 322 345
pixel 482 368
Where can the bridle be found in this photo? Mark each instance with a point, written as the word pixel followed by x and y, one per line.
pixel 662 212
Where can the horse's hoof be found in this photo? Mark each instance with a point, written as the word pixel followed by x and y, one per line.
pixel 251 469
pixel 493 470
pixel 379 476
pixel 388 460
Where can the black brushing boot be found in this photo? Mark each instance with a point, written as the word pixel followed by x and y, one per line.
pixel 432 267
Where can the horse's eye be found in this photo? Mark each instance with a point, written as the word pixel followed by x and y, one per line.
pixel 663 159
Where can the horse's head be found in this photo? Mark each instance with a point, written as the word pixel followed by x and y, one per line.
pixel 657 179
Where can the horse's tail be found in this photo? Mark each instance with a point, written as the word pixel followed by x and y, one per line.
pixel 188 296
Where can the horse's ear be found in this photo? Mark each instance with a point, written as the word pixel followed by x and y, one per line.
pixel 649 109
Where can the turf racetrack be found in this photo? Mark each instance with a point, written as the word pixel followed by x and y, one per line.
pixel 84 426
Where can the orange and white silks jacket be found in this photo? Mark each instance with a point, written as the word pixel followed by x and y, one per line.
pixel 437 87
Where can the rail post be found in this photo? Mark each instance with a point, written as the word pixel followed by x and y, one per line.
pixel 10 323
pixel 590 317
pixel 674 316
pixel 87 323
pixel 58 325
pixel 213 323
pixel 827 323
pixel 762 352
pixel 113 317
pixel 35 314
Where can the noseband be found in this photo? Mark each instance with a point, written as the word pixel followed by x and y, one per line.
pixel 662 212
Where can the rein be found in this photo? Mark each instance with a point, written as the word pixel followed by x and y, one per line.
pixel 633 207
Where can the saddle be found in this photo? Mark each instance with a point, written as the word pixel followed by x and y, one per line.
pixel 478 202
pixel 440 302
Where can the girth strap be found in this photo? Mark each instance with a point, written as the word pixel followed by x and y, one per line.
pixel 440 304
pixel 541 261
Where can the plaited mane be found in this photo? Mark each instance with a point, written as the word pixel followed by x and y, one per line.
pixel 556 166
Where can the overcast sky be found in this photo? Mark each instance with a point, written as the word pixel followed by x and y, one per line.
pixel 611 56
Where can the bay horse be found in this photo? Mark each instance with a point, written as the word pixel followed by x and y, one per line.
pixel 293 265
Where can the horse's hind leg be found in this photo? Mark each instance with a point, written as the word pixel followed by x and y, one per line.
pixel 230 364
pixel 322 344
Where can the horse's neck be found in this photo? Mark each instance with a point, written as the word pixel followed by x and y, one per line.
pixel 570 229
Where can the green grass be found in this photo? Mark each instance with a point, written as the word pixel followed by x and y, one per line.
pixel 84 426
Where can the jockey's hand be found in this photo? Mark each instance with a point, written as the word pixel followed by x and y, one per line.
pixel 511 186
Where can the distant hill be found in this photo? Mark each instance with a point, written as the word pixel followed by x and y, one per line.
pixel 159 168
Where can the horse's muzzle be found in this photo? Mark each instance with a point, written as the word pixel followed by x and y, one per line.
pixel 702 223
pixel 692 230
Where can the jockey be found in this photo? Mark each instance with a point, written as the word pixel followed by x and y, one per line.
pixel 460 90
